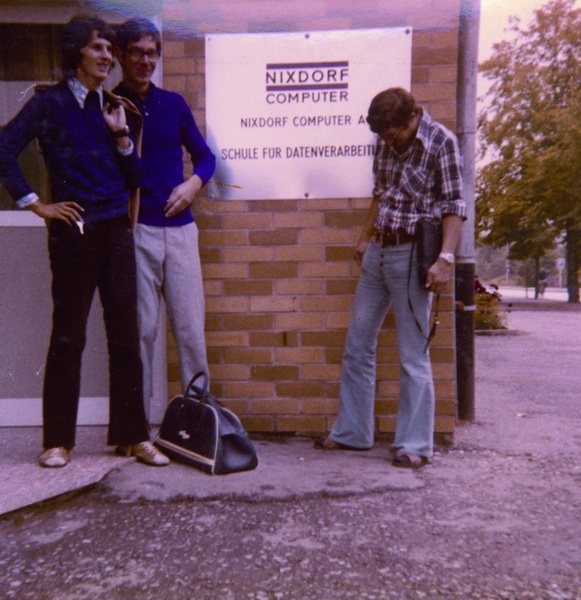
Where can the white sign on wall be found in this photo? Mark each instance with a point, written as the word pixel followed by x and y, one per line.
pixel 286 111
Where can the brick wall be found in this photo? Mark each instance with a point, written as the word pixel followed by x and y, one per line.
pixel 279 275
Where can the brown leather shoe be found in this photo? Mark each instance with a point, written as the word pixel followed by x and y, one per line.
pixel 144 452
pixel 329 444
pixel 405 460
pixel 54 458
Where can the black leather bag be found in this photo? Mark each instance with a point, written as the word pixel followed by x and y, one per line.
pixel 199 432
pixel 429 245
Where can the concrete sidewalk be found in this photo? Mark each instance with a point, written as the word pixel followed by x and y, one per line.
pixel 508 397
pixel 289 468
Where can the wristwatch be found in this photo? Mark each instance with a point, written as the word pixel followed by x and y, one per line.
pixel 448 257
pixel 121 132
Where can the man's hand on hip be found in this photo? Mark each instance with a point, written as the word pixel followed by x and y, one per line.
pixel 182 196
pixel 69 212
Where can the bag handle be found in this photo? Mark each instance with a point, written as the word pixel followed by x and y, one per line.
pixel 200 393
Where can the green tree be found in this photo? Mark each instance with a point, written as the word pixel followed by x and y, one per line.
pixel 528 192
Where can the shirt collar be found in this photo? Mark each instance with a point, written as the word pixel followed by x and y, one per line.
pixel 423 133
pixel 80 91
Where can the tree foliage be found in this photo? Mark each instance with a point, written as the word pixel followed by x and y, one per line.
pixel 528 191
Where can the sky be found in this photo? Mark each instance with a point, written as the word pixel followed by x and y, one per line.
pixel 494 15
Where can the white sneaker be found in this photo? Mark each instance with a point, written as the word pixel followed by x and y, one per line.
pixel 146 453
pixel 54 458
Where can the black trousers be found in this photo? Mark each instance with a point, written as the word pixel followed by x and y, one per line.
pixel 104 258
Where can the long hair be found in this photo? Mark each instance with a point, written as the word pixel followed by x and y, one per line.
pixel 77 33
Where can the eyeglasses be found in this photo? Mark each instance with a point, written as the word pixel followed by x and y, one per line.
pixel 138 53
pixel 381 126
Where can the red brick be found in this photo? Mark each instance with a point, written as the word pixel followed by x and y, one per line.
pixel 274 373
pixel 339 320
pixel 238 254
pixel 299 321
pixel 248 355
pixel 226 338
pixel 345 220
pixel 214 322
pixel 208 255
pixel 298 253
pixel 281 237
pixel 254 322
pixel 223 238
pixel 249 389
pixel 246 221
pixel 420 75
pixel 435 92
pixel 341 286
pixel 297 356
pixel 320 406
pixel 178 66
pixel 431 56
pixel 325 236
pixel 273 304
pixel 224 271
pixel 297 220
pixel 276 406
pixel 334 356
pixel 175 83
pixel 230 372
pixel 325 269
pixel 272 206
pixel 273 270
pixel 213 287
pixel 339 252
pixel 300 287
pixel 326 303
pixel 273 339
pixel 446 408
pixel 227 305
pixel 300 389
pixel 444 424
pixel 323 338
pixel 320 372
pixel 238 407
pixel 301 424
pixel 324 204
pixel 445 390
pixel 255 423
pixel 248 288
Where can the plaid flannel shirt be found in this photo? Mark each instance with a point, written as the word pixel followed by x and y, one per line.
pixel 424 182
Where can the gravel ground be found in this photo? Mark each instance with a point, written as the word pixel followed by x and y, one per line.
pixel 498 515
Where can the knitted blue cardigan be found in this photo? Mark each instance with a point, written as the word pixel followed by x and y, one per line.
pixel 80 153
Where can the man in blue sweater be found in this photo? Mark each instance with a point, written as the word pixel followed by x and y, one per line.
pixel 166 237
pixel 92 165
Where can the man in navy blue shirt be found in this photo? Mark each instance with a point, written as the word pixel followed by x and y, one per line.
pixel 166 237
pixel 92 165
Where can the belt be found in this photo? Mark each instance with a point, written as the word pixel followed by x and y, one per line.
pixel 393 238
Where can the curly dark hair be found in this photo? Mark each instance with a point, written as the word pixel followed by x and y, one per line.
pixel 77 33
pixel 133 30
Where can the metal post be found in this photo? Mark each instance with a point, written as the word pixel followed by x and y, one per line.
pixel 465 269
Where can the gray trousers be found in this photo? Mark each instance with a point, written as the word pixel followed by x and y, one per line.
pixel 168 265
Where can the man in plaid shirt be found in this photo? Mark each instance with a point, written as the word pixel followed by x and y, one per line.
pixel 418 175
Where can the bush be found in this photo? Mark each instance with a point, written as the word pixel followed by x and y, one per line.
pixel 490 314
